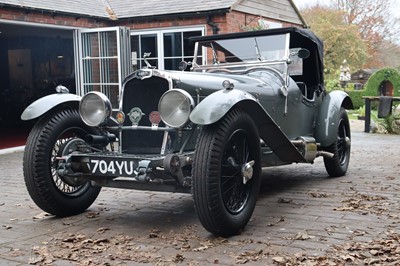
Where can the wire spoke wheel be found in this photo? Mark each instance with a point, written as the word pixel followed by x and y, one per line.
pixel 337 166
pixel 227 173
pixel 342 142
pixel 234 192
pixel 68 142
pixel 57 134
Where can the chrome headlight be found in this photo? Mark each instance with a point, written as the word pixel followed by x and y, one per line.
pixel 95 108
pixel 175 106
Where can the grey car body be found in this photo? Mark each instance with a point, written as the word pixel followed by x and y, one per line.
pixel 250 100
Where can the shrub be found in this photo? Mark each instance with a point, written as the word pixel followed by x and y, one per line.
pixel 373 83
pixel 332 84
pixel 356 97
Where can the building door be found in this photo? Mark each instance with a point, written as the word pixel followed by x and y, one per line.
pixel 20 65
pixel 103 60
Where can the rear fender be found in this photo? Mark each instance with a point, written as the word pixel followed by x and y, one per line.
pixel 47 103
pixel 326 131
pixel 216 105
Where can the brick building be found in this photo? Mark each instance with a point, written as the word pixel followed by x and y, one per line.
pixel 44 43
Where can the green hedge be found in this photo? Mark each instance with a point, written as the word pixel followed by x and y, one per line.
pixel 356 97
pixel 387 73
pixel 371 88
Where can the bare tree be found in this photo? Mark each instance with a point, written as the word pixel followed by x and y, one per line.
pixel 375 24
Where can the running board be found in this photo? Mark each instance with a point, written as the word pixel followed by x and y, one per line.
pixel 273 136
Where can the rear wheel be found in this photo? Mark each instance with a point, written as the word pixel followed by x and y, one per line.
pixel 227 173
pixel 337 166
pixel 55 135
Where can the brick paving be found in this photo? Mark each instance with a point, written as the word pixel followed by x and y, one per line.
pixel 302 216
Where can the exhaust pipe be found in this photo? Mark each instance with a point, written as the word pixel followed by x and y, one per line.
pixel 102 140
pixel 325 154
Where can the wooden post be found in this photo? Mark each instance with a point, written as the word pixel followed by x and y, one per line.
pixel 367 123
pixel 368 100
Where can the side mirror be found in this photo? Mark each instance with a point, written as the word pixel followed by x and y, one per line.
pixel 303 53
pixel 183 65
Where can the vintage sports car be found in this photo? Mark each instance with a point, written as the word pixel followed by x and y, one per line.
pixel 250 100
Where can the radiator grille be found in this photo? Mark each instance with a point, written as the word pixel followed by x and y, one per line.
pixel 144 94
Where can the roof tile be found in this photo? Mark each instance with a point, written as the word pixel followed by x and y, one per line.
pixel 122 8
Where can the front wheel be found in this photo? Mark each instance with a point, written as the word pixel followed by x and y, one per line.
pixel 55 135
pixel 227 173
pixel 337 166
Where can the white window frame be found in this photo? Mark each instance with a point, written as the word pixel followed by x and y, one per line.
pixel 122 57
pixel 160 40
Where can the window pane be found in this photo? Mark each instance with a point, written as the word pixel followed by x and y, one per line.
pixel 135 52
pixel 109 72
pixel 135 43
pixel 148 45
pixel 172 64
pixel 176 47
pixel 152 61
pixel 172 44
pixel 141 44
pixel 112 92
pixel 90 43
pixel 91 71
pixel 188 47
pixel 88 88
pixel 108 43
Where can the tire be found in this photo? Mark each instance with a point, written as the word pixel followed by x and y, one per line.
pixel 223 202
pixel 337 166
pixel 55 194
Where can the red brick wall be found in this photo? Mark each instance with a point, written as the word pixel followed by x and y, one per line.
pixel 33 16
pixel 230 22
pixel 158 23
pixel 236 21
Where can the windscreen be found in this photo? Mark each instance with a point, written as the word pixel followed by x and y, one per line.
pixel 271 50
pixel 250 49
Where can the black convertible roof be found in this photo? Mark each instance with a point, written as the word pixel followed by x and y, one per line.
pixel 303 33
pixel 299 37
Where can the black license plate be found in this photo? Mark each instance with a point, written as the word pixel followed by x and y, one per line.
pixel 112 167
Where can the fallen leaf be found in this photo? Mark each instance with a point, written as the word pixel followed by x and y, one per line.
pixel 41 216
pixel 347 257
pixel 101 240
pixel 316 194
pixel 178 258
pixel 36 260
pixel 282 219
pixel 374 252
pixel 249 256
pixel 281 200
pixel 204 246
pixel 279 259
pixel 303 236
pixel 102 230
pixel 371 261
pixel 92 215
pixel 344 209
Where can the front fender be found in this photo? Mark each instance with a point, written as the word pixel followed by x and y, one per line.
pixel 43 105
pixel 216 105
pixel 326 131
